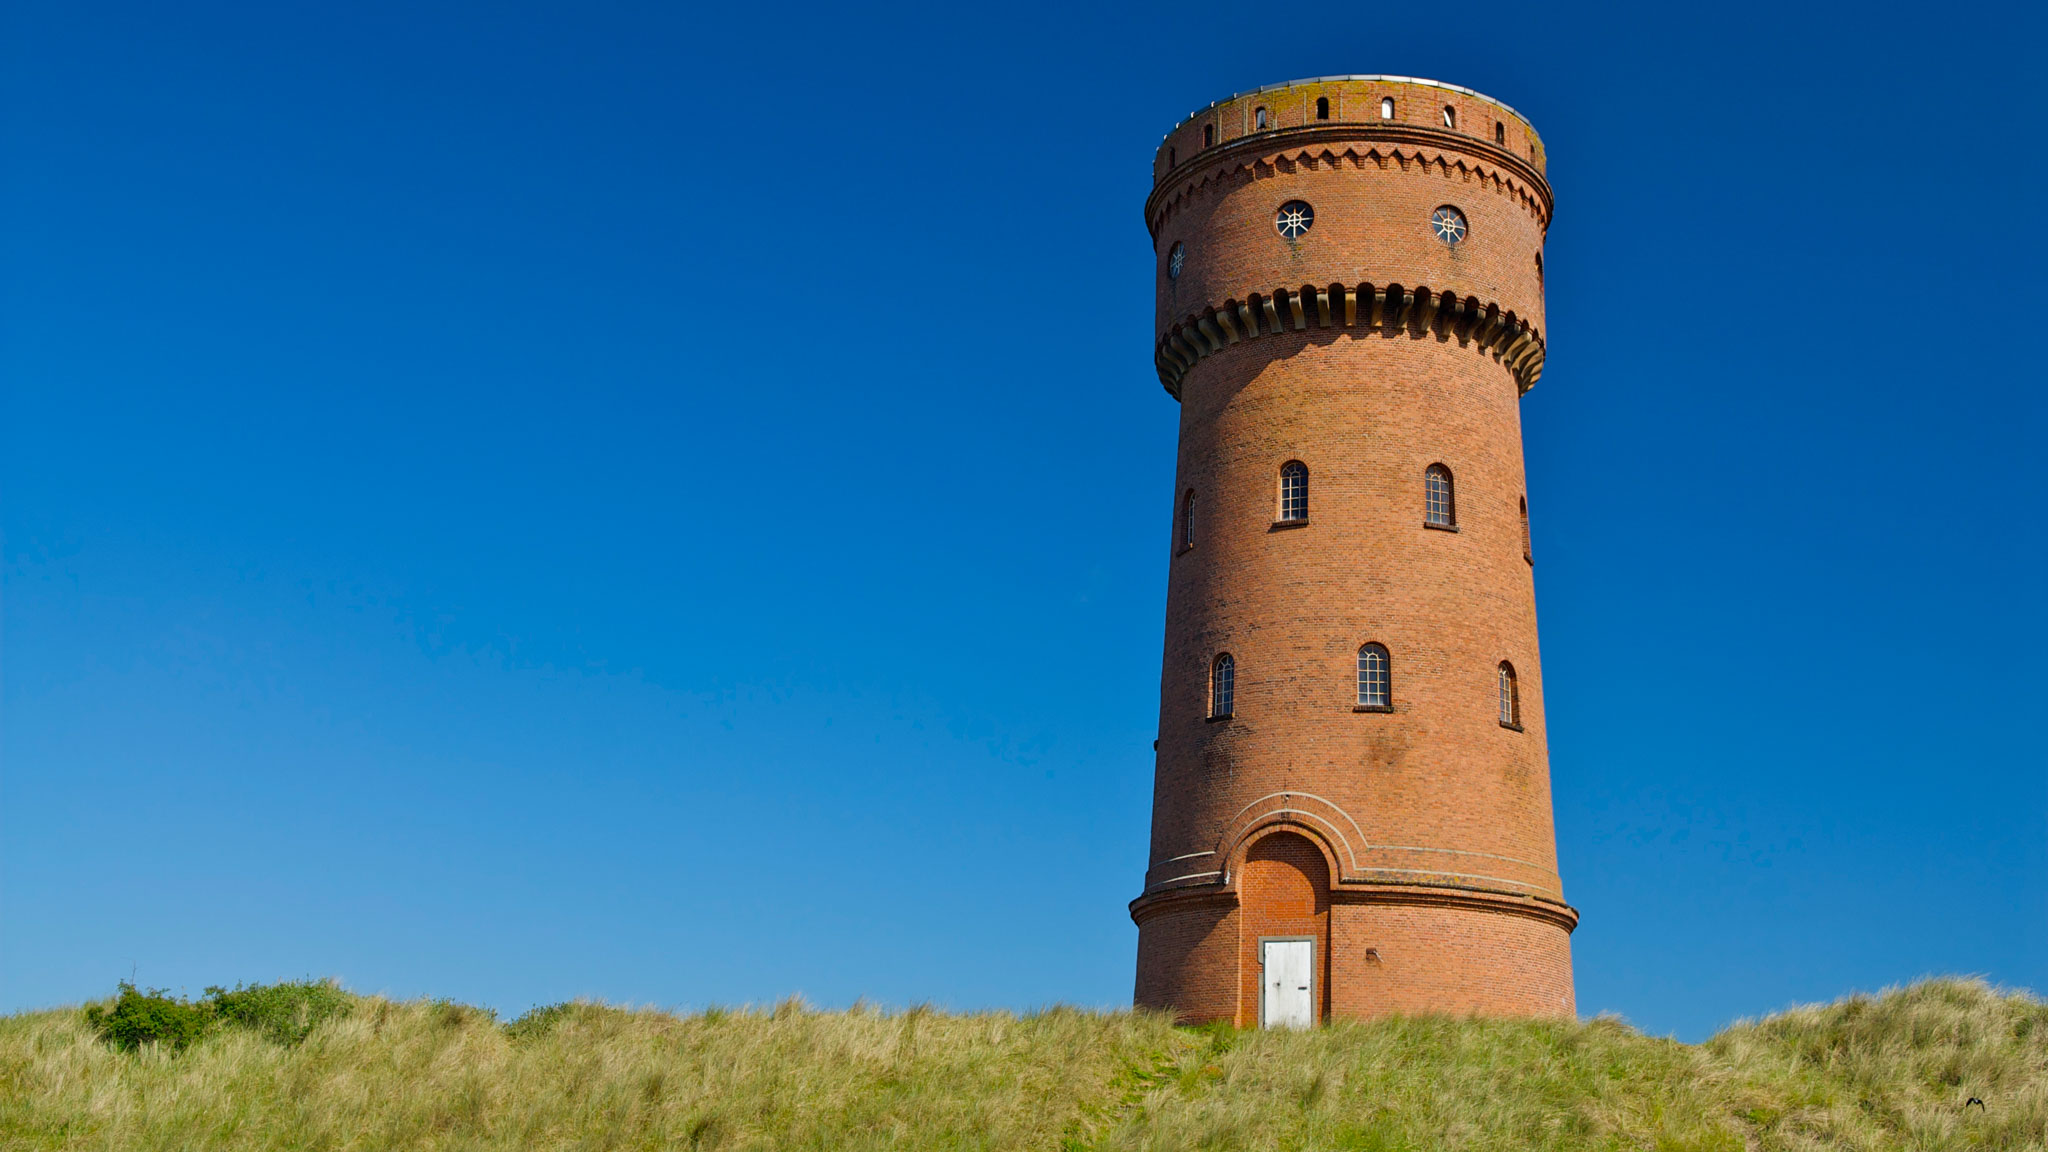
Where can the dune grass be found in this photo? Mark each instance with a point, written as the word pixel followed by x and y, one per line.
pixel 1893 1071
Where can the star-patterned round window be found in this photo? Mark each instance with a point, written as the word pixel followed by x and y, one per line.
pixel 1449 225
pixel 1294 218
pixel 1175 259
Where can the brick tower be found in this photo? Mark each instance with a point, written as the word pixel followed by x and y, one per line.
pixel 1351 809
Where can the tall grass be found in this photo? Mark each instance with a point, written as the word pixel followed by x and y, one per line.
pixel 1893 1071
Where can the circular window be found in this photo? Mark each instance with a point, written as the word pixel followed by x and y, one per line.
pixel 1175 259
pixel 1294 218
pixel 1449 224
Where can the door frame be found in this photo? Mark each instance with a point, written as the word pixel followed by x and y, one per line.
pixel 1315 1003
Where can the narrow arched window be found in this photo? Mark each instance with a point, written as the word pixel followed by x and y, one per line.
pixel 1440 509
pixel 1322 107
pixel 1293 491
pixel 1450 116
pixel 1528 549
pixel 1170 161
pixel 1187 520
pixel 1510 697
pixel 1208 135
pixel 1375 677
pixel 1259 119
pixel 1500 132
pixel 1386 107
pixel 1222 686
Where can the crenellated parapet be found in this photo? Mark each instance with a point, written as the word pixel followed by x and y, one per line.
pixel 1406 108
pixel 1389 309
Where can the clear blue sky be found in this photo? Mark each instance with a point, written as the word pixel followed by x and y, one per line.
pixel 672 505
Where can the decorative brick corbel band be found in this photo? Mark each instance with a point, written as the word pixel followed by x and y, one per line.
pixel 1387 308
pixel 1258 157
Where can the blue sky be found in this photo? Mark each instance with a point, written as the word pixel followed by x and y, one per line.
pixel 672 505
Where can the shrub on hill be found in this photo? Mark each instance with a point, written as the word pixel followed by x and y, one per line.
pixel 149 1016
pixel 286 1012
pixel 537 1022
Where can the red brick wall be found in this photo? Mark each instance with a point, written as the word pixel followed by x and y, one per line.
pixel 1371 224
pixel 1434 798
pixel 1199 959
pixel 1187 960
pixel 1414 958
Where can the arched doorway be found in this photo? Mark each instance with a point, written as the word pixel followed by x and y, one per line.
pixel 1283 895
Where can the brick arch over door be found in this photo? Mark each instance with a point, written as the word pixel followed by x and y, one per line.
pixel 1283 889
pixel 1316 817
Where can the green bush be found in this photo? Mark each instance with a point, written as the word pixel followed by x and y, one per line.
pixel 150 1016
pixel 286 1013
pixel 452 1014
pixel 537 1022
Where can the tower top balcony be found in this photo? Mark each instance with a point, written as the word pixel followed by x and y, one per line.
pixel 1399 108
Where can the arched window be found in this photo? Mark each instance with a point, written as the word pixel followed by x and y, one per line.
pixel 1322 107
pixel 1259 119
pixel 1386 107
pixel 1528 549
pixel 1223 686
pixel 1187 520
pixel 1170 161
pixel 1510 697
pixel 1293 491
pixel 1208 135
pixel 1375 677
pixel 1500 132
pixel 1440 509
pixel 1450 116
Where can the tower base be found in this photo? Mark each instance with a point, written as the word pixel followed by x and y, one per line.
pixel 1378 952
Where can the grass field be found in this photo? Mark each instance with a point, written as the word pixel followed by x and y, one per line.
pixel 1892 1071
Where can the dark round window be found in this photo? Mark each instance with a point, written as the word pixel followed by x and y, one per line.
pixel 1175 259
pixel 1449 224
pixel 1294 218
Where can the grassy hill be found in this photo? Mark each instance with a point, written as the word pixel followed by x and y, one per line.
pixel 311 1067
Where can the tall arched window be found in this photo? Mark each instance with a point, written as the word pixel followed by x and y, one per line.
pixel 1322 107
pixel 1187 520
pixel 1208 135
pixel 1386 107
pixel 1223 686
pixel 1450 116
pixel 1170 158
pixel 1439 506
pixel 1259 119
pixel 1528 549
pixel 1293 491
pixel 1510 697
pixel 1500 132
pixel 1375 677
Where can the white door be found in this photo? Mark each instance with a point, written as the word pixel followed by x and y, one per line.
pixel 1288 989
